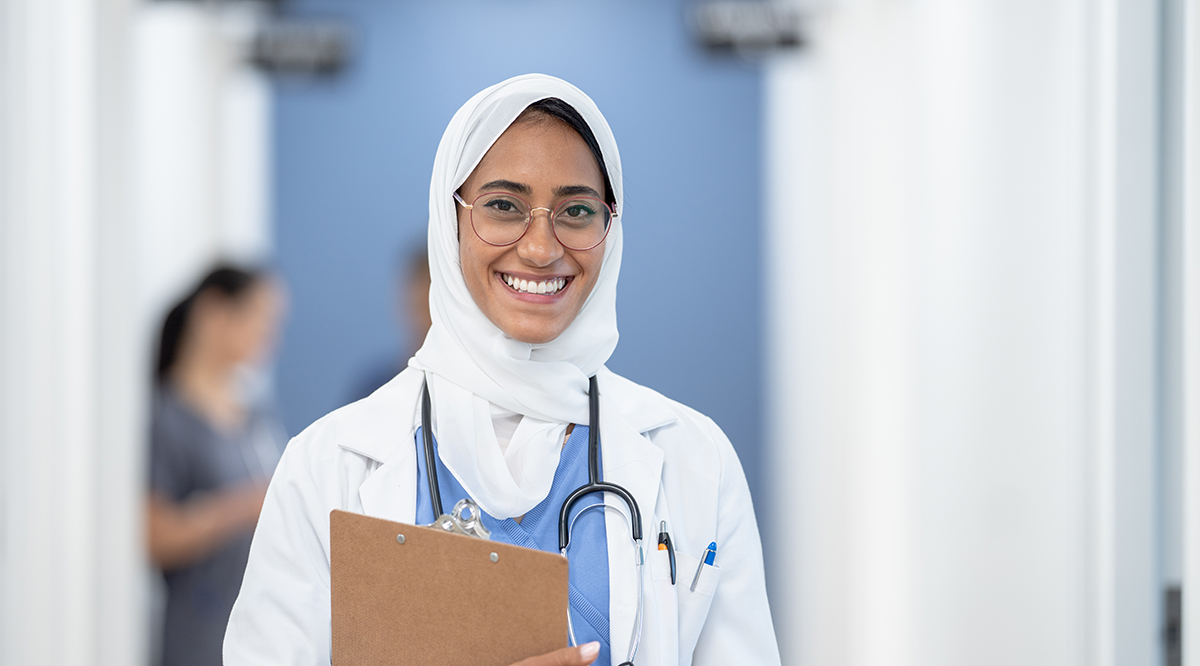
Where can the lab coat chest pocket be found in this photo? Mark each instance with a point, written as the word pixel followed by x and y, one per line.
pixel 666 607
pixel 693 606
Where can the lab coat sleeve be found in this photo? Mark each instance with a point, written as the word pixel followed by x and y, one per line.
pixel 281 615
pixel 738 629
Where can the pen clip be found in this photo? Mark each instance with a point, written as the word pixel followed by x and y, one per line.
pixel 664 538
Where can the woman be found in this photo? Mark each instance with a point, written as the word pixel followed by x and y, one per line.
pixel 523 302
pixel 211 454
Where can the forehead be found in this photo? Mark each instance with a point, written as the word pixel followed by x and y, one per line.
pixel 539 149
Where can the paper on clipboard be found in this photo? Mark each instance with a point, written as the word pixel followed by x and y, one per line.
pixel 439 598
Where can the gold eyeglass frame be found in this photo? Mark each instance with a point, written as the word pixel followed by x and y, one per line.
pixel 529 219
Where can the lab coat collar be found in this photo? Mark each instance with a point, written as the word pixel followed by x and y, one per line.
pixel 386 436
pixel 385 419
pixel 627 412
pixel 642 409
pixel 395 407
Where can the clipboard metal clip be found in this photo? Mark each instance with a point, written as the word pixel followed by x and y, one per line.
pixel 466 519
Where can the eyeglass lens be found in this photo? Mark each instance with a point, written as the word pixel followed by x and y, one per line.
pixel 500 219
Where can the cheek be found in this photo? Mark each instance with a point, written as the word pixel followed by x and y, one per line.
pixel 251 334
pixel 474 264
pixel 235 340
pixel 467 259
pixel 591 262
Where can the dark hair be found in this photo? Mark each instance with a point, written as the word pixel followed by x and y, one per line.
pixel 560 110
pixel 226 280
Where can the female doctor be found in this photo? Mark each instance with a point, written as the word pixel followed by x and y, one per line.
pixel 525 235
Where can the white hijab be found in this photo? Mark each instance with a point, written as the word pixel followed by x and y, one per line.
pixel 469 362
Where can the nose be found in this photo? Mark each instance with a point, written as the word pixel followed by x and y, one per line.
pixel 539 246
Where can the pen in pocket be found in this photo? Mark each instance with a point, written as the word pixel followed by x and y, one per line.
pixel 664 543
pixel 710 556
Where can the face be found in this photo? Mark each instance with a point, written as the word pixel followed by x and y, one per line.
pixel 538 161
pixel 245 328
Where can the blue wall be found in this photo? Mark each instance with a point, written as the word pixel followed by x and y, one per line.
pixel 353 156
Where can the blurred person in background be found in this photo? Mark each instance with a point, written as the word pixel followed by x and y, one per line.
pixel 214 443
pixel 412 313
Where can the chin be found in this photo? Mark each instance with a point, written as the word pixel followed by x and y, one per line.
pixel 533 335
pixel 532 339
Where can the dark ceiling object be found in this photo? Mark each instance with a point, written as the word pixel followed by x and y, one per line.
pixel 302 46
pixel 748 27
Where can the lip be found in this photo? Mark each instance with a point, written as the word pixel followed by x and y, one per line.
pixel 541 299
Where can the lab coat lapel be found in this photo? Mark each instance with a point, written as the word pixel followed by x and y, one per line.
pixel 390 491
pixel 632 461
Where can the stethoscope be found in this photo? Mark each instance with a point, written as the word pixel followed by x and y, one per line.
pixel 565 523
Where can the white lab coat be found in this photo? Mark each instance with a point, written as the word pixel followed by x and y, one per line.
pixel 677 463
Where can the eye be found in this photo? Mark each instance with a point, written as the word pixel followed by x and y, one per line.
pixel 502 208
pixel 501 205
pixel 578 209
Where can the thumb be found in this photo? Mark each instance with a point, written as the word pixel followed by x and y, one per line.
pixel 568 656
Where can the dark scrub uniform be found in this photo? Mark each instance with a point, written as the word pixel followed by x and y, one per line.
pixel 188 456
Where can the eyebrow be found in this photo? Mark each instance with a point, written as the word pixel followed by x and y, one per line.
pixel 522 188
pixel 575 190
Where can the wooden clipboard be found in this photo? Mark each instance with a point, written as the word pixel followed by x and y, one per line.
pixel 439 598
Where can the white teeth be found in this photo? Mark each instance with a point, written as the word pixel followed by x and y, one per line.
pixel 544 287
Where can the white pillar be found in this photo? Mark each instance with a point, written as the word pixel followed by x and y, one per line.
pixel 1191 337
pixel 69 374
pixel 201 147
pixel 133 150
pixel 960 244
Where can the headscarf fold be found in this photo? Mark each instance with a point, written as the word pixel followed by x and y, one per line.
pixel 469 362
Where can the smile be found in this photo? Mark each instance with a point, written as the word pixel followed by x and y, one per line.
pixel 551 286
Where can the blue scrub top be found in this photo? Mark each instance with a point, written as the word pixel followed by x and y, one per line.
pixel 588 553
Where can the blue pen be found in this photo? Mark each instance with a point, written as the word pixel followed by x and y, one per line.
pixel 710 556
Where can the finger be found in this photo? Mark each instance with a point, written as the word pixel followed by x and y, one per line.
pixel 570 656
pixel 588 652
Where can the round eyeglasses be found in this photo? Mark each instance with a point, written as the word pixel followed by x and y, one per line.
pixel 500 218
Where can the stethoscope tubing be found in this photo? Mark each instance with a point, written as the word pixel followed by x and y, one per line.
pixel 435 493
pixel 593 485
